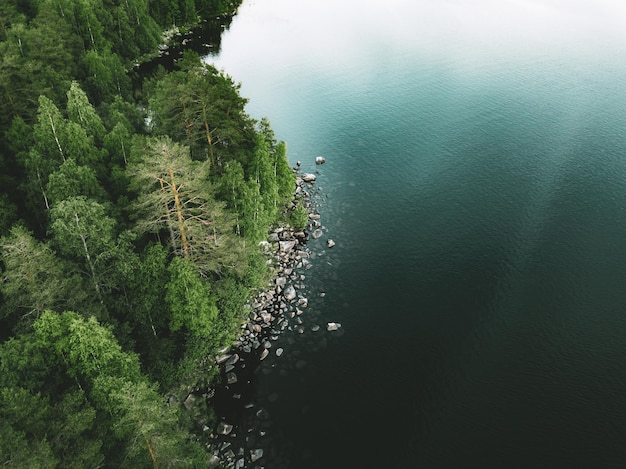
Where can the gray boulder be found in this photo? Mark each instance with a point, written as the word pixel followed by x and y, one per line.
pixel 289 293
pixel 232 360
pixel 286 246
pixel 333 326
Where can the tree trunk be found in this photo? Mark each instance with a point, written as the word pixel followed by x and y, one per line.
pixel 94 278
pixel 169 220
pixel 179 214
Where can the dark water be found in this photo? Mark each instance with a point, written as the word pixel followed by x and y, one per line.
pixel 475 186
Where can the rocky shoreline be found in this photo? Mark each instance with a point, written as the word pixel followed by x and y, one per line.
pixel 235 441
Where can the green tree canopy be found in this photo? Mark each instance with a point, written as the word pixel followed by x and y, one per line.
pixel 176 197
pixel 201 107
pixel 33 279
pixel 55 380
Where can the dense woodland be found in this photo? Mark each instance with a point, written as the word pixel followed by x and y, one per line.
pixel 130 218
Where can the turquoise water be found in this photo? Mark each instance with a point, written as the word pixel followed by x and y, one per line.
pixel 475 186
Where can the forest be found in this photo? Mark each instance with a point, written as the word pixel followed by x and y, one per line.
pixel 130 218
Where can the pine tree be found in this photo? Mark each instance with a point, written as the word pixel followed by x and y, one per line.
pixel 175 196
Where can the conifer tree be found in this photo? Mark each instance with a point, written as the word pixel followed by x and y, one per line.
pixel 175 195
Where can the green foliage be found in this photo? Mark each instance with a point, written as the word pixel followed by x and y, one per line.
pixel 284 176
pixel 124 113
pixel 145 282
pixel 40 432
pixel 299 217
pixel 190 299
pixel 258 273
pixel 201 107
pixel 18 449
pixel 118 143
pixel 175 195
pixel 58 140
pixel 77 171
pixel 262 173
pixel 55 419
pixel 105 76
pixel 73 180
pixel 232 188
pixel 151 430
pixel 80 111
pixel 81 228
pixel 8 214
pixel 37 59
pixel 19 137
pixel 33 279
pixel 232 296
pixel 85 235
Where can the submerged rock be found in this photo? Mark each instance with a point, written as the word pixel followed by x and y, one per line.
pixel 317 233
pixel 231 378
pixel 256 454
pixel 263 414
pixel 224 428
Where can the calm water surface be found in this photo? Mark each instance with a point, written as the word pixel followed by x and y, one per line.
pixel 475 186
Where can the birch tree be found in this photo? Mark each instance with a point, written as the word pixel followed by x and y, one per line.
pixel 33 279
pixel 83 232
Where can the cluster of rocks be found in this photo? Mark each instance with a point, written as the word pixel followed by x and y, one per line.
pixel 278 309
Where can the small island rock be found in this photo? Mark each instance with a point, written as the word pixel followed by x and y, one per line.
pixel 333 326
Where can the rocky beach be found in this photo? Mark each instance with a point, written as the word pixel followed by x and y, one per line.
pixel 278 316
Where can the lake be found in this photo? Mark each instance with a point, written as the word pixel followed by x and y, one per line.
pixel 475 186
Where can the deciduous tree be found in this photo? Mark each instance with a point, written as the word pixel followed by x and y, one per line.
pixel 32 279
pixel 83 232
